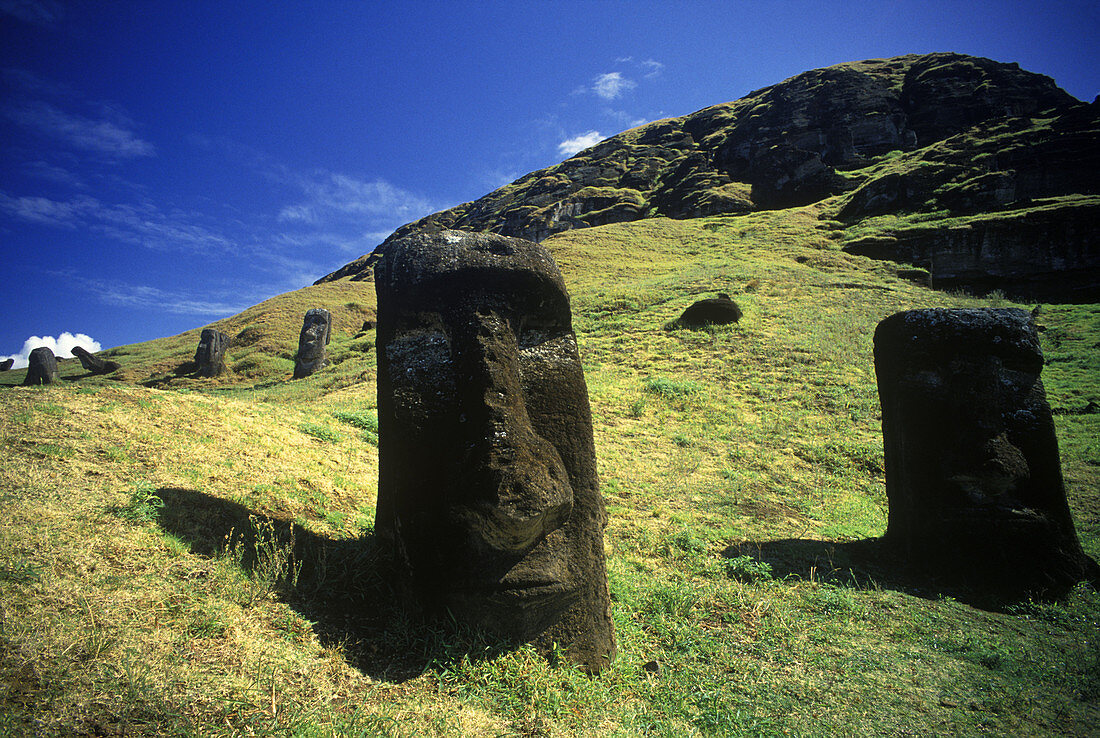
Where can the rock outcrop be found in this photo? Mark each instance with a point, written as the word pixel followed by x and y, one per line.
pixel 973 475
pixel 41 368
pixel 487 487
pixel 93 363
pixel 931 133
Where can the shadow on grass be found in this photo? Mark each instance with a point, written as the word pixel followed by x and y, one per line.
pixel 341 586
pixel 871 563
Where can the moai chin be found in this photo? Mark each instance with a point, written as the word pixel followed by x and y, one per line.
pixel 41 368
pixel 316 328
pixel 210 355
pixel 972 469
pixel 488 493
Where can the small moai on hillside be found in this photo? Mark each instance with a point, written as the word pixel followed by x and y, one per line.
pixel 720 310
pixel 6 364
pixel 316 329
pixel 210 355
pixel 972 469
pixel 41 368
pixel 487 490
pixel 93 363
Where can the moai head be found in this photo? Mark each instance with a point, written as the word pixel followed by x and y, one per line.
pixel 488 491
pixel 316 328
pixel 41 367
pixel 972 469
pixel 210 355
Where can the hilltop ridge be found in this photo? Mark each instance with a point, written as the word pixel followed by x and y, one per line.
pixel 937 135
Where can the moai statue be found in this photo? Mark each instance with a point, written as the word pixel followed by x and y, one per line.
pixel 210 355
pixel 93 363
pixel 41 368
pixel 972 470
pixel 720 310
pixel 6 364
pixel 487 489
pixel 311 343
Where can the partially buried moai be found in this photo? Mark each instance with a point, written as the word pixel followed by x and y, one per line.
pixel 41 367
pixel 972 469
pixel 488 493
pixel 316 328
pixel 210 355
pixel 93 363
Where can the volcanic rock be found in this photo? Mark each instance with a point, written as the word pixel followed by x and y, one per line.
pixel 41 368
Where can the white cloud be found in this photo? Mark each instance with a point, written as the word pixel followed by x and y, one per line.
pixel 571 146
pixel 651 67
pixel 62 346
pixel 611 85
pixel 42 210
pixel 108 137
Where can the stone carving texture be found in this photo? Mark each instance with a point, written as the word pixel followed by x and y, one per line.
pixel 6 364
pixel 210 355
pixel 972 469
pixel 488 493
pixel 93 363
pixel 41 367
pixel 316 329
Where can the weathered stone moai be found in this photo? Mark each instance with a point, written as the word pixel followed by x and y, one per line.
pixel 972 469
pixel 210 355
pixel 41 368
pixel 316 328
pixel 93 363
pixel 6 364
pixel 487 491
pixel 720 310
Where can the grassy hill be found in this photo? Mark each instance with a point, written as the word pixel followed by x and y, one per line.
pixel 195 557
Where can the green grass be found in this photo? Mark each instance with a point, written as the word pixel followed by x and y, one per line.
pixel 197 557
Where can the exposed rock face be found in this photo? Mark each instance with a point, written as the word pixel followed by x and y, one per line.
pixel 93 363
pixel 41 368
pixel 719 310
pixel 986 135
pixel 972 469
pixel 487 488
pixel 316 330
pixel 210 355
pixel 6 364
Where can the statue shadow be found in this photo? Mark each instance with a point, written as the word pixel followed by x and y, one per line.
pixel 872 563
pixel 342 586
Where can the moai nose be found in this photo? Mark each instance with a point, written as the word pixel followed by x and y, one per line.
pixel 514 487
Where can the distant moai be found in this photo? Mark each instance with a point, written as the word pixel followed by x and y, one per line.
pixel 93 363
pixel 210 355
pixel 972 469
pixel 6 364
pixel 720 310
pixel 41 368
pixel 316 329
pixel 487 491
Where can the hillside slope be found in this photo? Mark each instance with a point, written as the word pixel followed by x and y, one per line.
pixel 938 136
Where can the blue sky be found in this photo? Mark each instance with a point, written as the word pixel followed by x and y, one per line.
pixel 166 164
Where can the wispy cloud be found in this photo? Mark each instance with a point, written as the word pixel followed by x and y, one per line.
pixel 101 136
pixel 651 67
pixel 44 211
pixel 38 12
pixel 611 85
pixel 573 145
pixel 145 297
pixel 330 193
pixel 62 347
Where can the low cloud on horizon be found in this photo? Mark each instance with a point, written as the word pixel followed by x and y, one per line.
pixel 62 347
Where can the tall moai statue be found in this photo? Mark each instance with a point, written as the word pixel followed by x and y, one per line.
pixel 972 469
pixel 487 487
pixel 41 368
pixel 316 328
pixel 7 364
pixel 210 355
